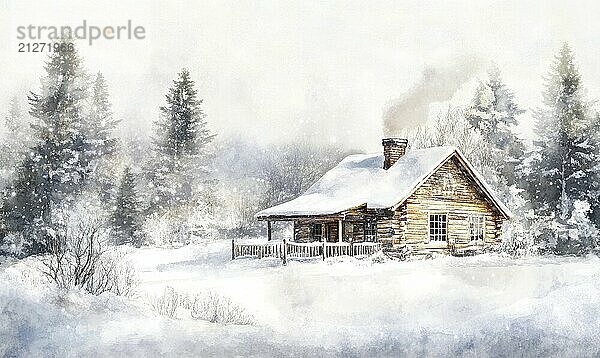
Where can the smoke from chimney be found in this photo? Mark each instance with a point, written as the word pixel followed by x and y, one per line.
pixel 437 84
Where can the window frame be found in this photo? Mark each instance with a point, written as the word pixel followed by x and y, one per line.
pixel 370 225
pixel 430 228
pixel 314 236
pixel 471 224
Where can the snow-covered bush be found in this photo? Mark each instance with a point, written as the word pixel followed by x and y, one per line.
pixel 203 223
pixel 218 309
pixel 176 230
pixel 79 255
pixel 578 235
pixel 575 235
pixel 378 258
pixel 12 244
pixel 165 229
pixel 114 274
pixel 209 306
pixel 167 303
pixel 518 237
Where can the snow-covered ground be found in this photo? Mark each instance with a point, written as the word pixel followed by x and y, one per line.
pixel 474 306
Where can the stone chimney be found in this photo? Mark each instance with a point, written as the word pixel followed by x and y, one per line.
pixel 393 149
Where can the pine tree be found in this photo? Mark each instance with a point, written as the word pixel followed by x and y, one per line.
pixel 15 141
pixel 11 148
pixel 594 202
pixel 100 145
pixel 562 168
pixel 55 168
pixel 494 113
pixel 181 135
pixel 126 216
pixel 14 118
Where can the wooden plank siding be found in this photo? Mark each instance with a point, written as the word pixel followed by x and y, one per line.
pixel 452 191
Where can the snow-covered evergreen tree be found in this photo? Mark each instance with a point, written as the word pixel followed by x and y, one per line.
pixel 562 169
pixel 594 210
pixel 55 167
pixel 101 144
pixel 14 118
pixel 177 170
pixel 127 214
pixel 494 113
pixel 6 158
pixel 16 139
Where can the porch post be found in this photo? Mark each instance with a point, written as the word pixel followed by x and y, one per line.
pixel 340 227
pixel 269 230
pixel 324 240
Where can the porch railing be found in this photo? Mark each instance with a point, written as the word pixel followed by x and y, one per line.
pixel 365 248
pixel 303 250
pixel 285 250
pixel 269 249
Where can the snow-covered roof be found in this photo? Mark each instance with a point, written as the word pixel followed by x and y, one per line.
pixel 360 179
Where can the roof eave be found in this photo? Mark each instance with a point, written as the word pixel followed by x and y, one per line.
pixel 282 217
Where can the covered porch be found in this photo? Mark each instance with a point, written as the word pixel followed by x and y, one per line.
pixel 315 237
pixel 328 229
pixel 286 250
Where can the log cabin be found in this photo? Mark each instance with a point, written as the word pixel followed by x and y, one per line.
pixel 429 200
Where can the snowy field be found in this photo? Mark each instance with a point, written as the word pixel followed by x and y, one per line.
pixel 475 306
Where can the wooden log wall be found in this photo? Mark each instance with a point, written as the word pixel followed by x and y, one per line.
pixel 353 231
pixel 390 227
pixel 449 190
pixel 303 230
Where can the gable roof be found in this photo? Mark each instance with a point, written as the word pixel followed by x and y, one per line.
pixel 360 179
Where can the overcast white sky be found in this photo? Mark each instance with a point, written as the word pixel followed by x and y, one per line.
pixel 264 67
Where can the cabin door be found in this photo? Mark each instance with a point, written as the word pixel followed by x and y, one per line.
pixel 348 231
pixel 331 232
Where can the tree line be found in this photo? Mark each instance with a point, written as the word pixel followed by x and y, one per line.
pixel 70 155
pixel 550 184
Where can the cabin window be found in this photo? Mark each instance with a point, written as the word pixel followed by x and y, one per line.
pixel 438 227
pixel 317 232
pixel 476 227
pixel 370 230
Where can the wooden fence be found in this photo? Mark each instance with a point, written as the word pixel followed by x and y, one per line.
pixel 303 250
pixel 269 249
pixel 365 248
pixel 285 250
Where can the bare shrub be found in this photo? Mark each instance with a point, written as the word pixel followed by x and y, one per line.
pixel 113 274
pixel 167 303
pixel 207 307
pixel 79 256
pixel 218 309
